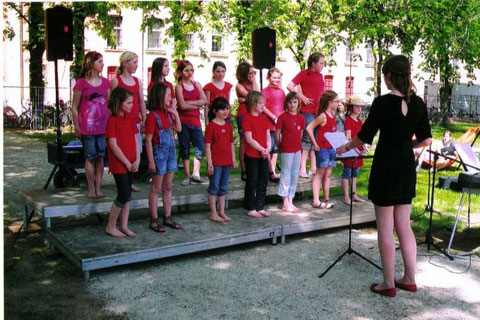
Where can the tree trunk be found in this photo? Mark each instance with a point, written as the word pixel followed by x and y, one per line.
pixel 445 90
pixel 36 47
pixel 78 39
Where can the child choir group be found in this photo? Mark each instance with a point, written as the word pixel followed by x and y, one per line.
pixel 112 117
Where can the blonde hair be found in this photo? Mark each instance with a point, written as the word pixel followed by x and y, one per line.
pixel 125 57
pixel 251 100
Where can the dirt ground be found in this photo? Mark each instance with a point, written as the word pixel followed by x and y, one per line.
pixel 253 281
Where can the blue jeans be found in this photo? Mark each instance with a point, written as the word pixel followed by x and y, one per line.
pixel 219 181
pixel 350 172
pixel 239 126
pixel 325 158
pixel 193 135
pixel 274 148
pixel 306 142
pixel 94 146
pixel 290 164
pixel 164 153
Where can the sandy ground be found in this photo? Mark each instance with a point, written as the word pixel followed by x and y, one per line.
pixel 253 281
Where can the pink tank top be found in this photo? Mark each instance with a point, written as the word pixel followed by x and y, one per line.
pixel 190 117
pixel 135 113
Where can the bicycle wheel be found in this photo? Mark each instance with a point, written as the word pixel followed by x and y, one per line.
pixel 35 123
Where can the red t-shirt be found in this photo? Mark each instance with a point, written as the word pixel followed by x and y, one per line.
pixel 134 114
pixel 355 127
pixel 190 117
pixel 260 127
pixel 291 127
pixel 242 107
pixel 330 126
pixel 221 138
pixel 151 126
pixel 312 87
pixel 215 92
pixel 274 98
pixel 124 130
pixel 168 84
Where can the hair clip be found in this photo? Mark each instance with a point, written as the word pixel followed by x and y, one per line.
pixel 179 63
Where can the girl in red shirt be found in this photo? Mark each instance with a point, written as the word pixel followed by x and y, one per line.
pixel 217 88
pixel 288 136
pixel 325 154
pixel 256 128
pixel 353 124
pixel 162 159
pixel 160 71
pixel 123 159
pixel 190 99
pixel 220 152
pixel 246 83
pixel 125 79
pixel 274 100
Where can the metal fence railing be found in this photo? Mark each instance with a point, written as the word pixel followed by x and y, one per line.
pixel 36 110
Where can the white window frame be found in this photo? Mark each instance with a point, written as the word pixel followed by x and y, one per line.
pixel 214 36
pixel 154 31
pixel 117 29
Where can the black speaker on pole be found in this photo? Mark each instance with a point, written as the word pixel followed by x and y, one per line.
pixel 264 45
pixel 59 33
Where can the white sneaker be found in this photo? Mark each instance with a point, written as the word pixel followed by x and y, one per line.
pixel 185 182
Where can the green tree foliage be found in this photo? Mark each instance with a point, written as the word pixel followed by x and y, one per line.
pixel 96 16
pixel 446 30
pixel 184 18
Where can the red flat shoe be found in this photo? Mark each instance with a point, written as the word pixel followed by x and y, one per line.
pixel 406 287
pixel 384 292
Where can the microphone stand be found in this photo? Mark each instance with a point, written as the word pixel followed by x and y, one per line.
pixel 428 236
pixel 349 248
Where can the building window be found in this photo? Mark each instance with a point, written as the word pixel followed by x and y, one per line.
pixel 217 43
pixel 349 54
pixel 111 72
pixel 190 41
pixel 348 86
pixel 328 82
pixel 117 30
pixel 370 59
pixel 154 35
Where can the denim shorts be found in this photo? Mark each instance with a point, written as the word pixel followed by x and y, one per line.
pixel 306 142
pixel 219 181
pixel 350 172
pixel 139 138
pixel 165 159
pixel 94 146
pixel 326 158
pixel 191 135
pixel 239 126
pixel 274 148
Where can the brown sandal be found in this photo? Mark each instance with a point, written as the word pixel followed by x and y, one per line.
pixel 168 222
pixel 156 225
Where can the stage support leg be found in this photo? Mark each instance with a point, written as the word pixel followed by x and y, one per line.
pixel 274 240
pixel 283 239
pixel 86 275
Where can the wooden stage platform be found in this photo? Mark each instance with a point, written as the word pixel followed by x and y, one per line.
pixel 89 248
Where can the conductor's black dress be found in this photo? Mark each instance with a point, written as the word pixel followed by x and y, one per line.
pixel 393 176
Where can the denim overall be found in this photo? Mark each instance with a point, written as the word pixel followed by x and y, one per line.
pixel 164 152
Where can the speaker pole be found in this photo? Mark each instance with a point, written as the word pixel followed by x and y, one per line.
pixel 57 105
pixel 261 80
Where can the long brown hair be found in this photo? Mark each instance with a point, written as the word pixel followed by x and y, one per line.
pixel 181 64
pixel 251 100
pixel 156 98
pixel 327 96
pixel 87 64
pixel 399 72
pixel 117 97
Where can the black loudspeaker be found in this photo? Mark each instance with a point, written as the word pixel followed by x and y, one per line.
pixel 264 45
pixel 59 33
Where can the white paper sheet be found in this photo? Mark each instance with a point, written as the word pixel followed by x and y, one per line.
pixel 338 139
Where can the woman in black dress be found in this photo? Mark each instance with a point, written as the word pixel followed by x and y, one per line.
pixel 398 115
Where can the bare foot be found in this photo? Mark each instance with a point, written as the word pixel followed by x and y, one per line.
pixel 135 188
pixel 347 202
pixel 288 209
pixel 225 217
pixel 264 213
pixel 295 209
pixel 254 214
pixel 357 199
pixel 100 194
pixel 128 232
pixel 216 219
pixel 114 232
pixel 92 195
